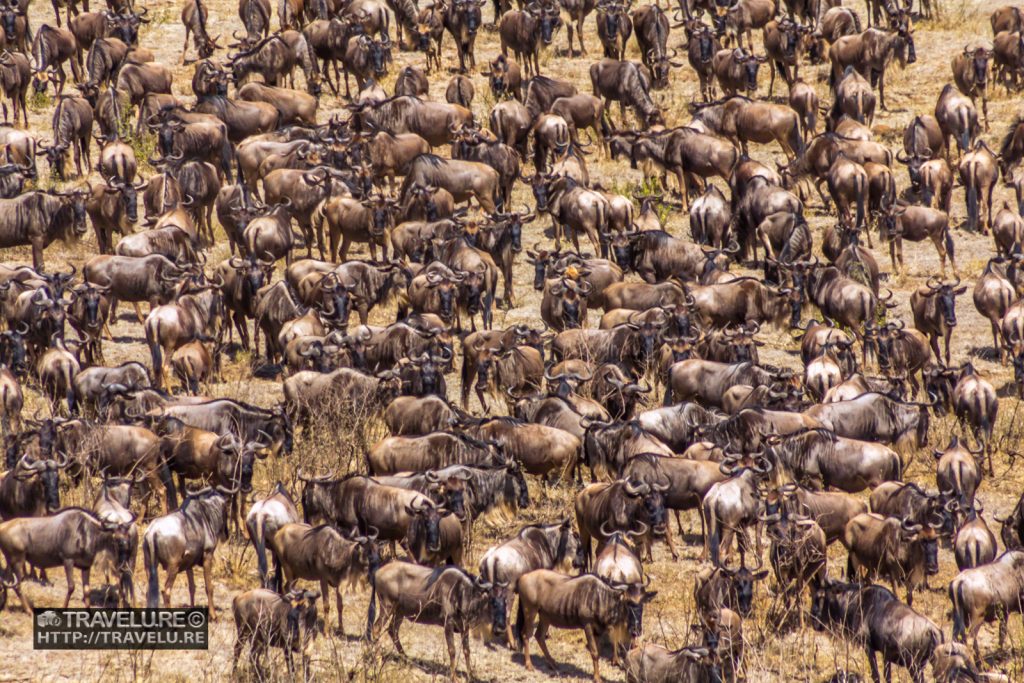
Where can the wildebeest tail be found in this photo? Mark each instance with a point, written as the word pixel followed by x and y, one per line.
pixel 698 230
pixel 153 339
pixel 956 597
pixel 713 535
pixel 149 556
pixel 862 193
pixel 257 536
pixel 972 202
pixel 226 154
pixel 520 623
pixel 164 472
pixel 965 131
pixel 810 122
pixel 796 141
pixel 897 473
pixel 371 611
pixel 948 237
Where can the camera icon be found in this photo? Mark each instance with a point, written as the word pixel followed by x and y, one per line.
pixel 47 618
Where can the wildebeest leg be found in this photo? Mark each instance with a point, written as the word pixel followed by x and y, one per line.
pixel 85 587
pixel 873 663
pixel 18 570
pixel 542 640
pixel 337 602
pixel 668 539
pixel 887 669
pixel 208 584
pixel 588 631
pixel 453 654
pixel 69 573
pixel 396 623
pixel 1004 619
pixel 184 48
pixel 465 652
pixel 172 573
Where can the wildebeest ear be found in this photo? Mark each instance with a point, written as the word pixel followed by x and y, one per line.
pixel 653 594
pixel 760 575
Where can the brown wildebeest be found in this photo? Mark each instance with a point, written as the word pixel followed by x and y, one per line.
pixel 934 308
pixel 979 172
pixel 957 118
pixel 970 72
pixel 916 223
pixel 871 52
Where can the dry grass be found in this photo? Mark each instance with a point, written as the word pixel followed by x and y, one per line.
pixel 772 653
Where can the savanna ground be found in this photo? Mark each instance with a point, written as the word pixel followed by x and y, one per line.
pixel 772 653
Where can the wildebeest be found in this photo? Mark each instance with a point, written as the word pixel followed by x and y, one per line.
pixel 874 615
pixel 987 593
pixel 262 521
pixel 585 602
pixel 897 549
pixel 446 597
pixel 71 538
pixel 266 619
pixel 323 554
pixel 186 538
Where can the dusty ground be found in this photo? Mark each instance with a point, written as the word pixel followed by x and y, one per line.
pixel 772 654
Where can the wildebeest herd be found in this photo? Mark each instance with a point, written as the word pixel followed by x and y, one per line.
pixel 662 401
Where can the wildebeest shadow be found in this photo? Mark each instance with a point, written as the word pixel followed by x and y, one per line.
pixel 561 668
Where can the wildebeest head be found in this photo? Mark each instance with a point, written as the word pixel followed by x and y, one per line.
pixel 830 601
pixel 704 37
pixel 510 226
pixel 56 157
pixel 945 294
pixel 166 131
pixel 906 51
pixel 128 194
pixel 252 273
pixel 336 298
pixel 913 164
pixel 12 349
pixel 623 248
pixel 540 259
pixel 515 485
pixel 428 516
pixel 48 472
pixel 382 214
pixel 367 550
pixel 445 285
pixel 467 14
pixel 451 489
pixel 42 78
pixel 652 503
pixel 9 19
pixel 647 327
pixel 571 296
pixel 550 19
pixel 631 602
pixel 302 622
pixel 88 298
pixel 884 341
pixel 927 536
pixel 421 33
pixel 741 585
pixel 661 65
pixel 750 64
pixel 979 64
